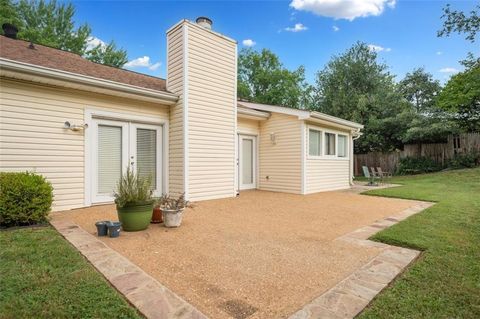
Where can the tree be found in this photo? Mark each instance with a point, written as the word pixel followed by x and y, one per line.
pixel 356 87
pixel 51 24
pixel 108 54
pixel 420 89
pixel 461 96
pixel 9 14
pixel 458 22
pixel 262 78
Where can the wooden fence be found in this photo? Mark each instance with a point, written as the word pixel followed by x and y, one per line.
pixel 439 152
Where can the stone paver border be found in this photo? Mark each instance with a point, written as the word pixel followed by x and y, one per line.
pixel 350 296
pixel 151 298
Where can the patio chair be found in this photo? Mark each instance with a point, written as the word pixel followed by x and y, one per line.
pixel 376 174
pixel 371 178
pixel 384 174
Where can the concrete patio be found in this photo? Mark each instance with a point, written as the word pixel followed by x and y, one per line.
pixel 264 254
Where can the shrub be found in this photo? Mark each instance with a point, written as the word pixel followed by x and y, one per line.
pixel 25 199
pixel 467 160
pixel 412 165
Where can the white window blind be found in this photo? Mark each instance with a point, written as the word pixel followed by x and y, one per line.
pixel 314 143
pixel 147 155
pixel 109 157
pixel 329 144
pixel 342 146
pixel 247 160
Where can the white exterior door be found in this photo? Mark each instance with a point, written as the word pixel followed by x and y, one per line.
pixel 118 144
pixel 247 159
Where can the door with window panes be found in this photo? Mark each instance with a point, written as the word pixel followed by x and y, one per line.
pixel 119 144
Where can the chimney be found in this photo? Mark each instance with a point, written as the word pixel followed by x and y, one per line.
pixel 201 69
pixel 9 30
pixel 204 22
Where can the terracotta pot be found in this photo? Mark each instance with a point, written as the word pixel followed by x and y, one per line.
pixel 157 216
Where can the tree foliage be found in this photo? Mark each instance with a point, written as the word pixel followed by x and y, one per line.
pixel 107 54
pixel 357 87
pixel 461 96
pixel 262 78
pixel 420 89
pixel 458 22
pixel 50 23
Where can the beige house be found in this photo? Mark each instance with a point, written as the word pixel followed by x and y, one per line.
pixel 81 124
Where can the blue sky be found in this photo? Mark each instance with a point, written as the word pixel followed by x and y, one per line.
pixel 403 31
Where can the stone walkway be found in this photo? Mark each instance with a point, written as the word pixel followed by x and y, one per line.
pixel 150 297
pixel 350 296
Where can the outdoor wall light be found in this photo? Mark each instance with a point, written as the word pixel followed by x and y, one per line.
pixel 273 138
pixel 73 127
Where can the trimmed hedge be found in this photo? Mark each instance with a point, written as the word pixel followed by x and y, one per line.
pixel 25 199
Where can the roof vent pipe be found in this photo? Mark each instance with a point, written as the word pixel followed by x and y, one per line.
pixel 204 22
pixel 9 30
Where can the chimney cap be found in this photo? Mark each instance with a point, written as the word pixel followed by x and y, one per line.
pixel 204 22
pixel 10 30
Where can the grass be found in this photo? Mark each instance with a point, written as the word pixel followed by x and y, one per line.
pixel 42 276
pixel 445 281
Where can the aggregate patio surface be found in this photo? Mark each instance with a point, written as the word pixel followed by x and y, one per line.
pixel 260 255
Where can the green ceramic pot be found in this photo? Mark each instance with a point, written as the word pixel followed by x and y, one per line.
pixel 135 217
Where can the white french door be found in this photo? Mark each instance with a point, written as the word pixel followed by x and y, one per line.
pixel 119 144
pixel 247 162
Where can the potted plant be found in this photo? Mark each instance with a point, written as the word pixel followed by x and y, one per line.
pixel 172 210
pixel 133 198
pixel 157 208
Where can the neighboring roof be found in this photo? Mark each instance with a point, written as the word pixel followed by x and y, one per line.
pixel 18 50
pixel 301 114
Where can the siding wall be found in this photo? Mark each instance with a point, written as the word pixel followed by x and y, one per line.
pixel 32 135
pixel 175 83
pixel 282 162
pixel 323 174
pixel 249 127
pixel 211 77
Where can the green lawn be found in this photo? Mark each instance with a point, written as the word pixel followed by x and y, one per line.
pixel 445 281
pixel 42 276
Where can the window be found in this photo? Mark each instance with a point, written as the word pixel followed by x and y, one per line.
pixel 329 144
pixel 342 146
pixel 314 142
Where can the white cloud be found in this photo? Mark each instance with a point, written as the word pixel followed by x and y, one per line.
pixel 93 42
pixel 154 66
pixel 297 28
pixel 335 28
pixel 439 52
pixel 142 62
pixel 378 48
pixel 343 9
pixel 248 42
pixel 449 70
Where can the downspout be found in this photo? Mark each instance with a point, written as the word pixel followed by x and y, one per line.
pixel 355 135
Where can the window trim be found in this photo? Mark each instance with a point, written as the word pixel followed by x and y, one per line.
pixel 322 155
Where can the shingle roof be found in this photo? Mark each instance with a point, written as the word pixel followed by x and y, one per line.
pixel 18 50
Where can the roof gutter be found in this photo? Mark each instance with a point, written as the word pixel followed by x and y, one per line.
pixel 106 86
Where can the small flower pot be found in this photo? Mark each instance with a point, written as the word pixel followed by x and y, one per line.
pixel 156 216
pixel 114 229
pixel 102 228
pixel 172 218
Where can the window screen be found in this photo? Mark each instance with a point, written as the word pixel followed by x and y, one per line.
pixel 329 144
pixel 314 143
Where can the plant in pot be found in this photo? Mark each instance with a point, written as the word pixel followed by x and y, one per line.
pixel 157 208
pixel 172 210
pixel 133 198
